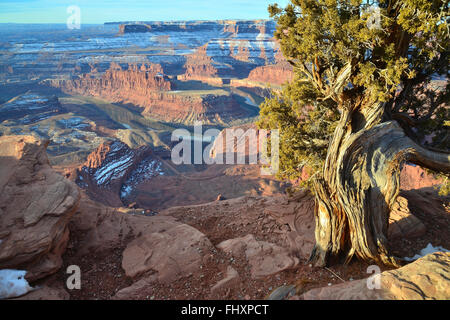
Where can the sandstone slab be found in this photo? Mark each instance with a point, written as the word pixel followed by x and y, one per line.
pixel 424 279
pixel 171 253
pixel 264 258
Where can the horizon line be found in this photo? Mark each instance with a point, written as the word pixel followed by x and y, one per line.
pixel 142 21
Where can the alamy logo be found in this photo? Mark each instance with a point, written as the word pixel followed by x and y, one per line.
pixel 374 18
pixel 74 20
pixel 374 281
pixel 74 280
pixel 231 146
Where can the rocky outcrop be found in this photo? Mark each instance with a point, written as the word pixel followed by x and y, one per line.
pixel 259 222
pixel 117 82
pixel 276 74
pixel 147 87
pixel 199 66
pixel 151 250
pixel 106 228
pixel 178 107
pixel 134 28
pixel 230 279
pixel 256 26
pixel 424 279
pixel 113 170
pixel 298 216
pixel 237 142
pixel 173 253
pixel 36 205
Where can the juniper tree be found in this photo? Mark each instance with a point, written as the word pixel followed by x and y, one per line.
pixel 369 93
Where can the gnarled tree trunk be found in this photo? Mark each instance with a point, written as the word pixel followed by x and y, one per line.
pixel 360 183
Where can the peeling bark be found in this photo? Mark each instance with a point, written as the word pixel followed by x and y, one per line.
pixel 360 184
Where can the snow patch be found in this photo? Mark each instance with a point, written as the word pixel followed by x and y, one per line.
pixel 13 283
pixel 125 191
pixel 426 251
pixel 146 170
pixel 250 102
pixel 113 170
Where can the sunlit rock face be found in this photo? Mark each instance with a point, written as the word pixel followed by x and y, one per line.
pixel 146 86
pixel 279 73
pixel 140 80
pixel 36 206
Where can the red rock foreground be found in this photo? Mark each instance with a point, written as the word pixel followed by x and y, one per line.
pixel 427 278
pixel 244 248
pixel 36 205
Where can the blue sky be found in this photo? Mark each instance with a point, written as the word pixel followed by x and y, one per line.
pixel 99 11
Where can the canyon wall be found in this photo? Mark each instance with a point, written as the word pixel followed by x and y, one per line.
pixel 111 172
pixel 208 108
pixel 277 74
pixel 199 66
pixel 133 80
pixel 148 88
pixel 230 26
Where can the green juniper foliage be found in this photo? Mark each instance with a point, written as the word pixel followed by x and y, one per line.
pixel 396 49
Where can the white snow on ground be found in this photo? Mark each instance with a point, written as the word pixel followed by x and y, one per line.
pixel 116 146
pixel 125 191
pixel 250 102
pixel 13 283
pixel 113 170
pixel 147 169
pixel 426 251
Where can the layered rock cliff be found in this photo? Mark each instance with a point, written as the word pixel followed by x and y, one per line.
pixel 277 74
pixel 208 108
pixel 112 171
pixel 116 82
pixel 148 88
pixel 225 26
pixel 199 66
